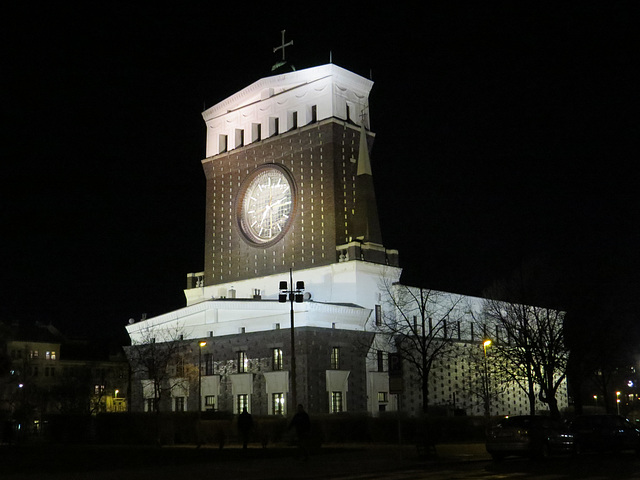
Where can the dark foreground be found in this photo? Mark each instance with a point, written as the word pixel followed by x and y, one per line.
pixel 157 463
pixel 347 462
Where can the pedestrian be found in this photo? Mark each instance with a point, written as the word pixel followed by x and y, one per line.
pixel 302 425
pixel 245 425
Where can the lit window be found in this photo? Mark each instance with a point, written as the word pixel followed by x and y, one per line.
pixel 210 402
pixel 242 402
pixel 243 363
pixel 335 358
pixel 383 397
pixel 336 402
pixel 278 403
pixel 277 359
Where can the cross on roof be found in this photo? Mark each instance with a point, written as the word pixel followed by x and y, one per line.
pixel 282 47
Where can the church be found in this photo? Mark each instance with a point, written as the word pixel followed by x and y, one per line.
pixel 284 309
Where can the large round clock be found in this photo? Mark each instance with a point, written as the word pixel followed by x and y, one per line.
pixel 265 204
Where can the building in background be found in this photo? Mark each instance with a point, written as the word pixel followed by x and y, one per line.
pixel 289 198
pixel 50 374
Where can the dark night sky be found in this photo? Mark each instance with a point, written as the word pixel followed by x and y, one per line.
pixel 506 133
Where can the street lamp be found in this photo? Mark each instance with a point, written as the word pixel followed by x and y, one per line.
pixel 201 344
pixel 487 401
pixel 292 295
pixel 485 344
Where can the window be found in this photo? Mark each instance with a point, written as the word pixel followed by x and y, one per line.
pixel 98 389
pixel 314 113
pixel 274 125
pixel 208 364
pixel 335 358
pixel 383 397
pixel 278 403
pixel 239 137
pixel 50 355
pixel 380 361
pixel 210 402
pixel 243 363
pixel 336 402
pixel 256 132
pixel 378 315
pixel 178 405
pixel 242 402
pixel 277 359
pixel 150 404
pixel 222 144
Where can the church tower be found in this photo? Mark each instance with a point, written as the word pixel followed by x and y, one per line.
pixel 289 194
pixel 289 181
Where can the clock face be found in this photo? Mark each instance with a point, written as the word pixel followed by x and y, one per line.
pixel 265 204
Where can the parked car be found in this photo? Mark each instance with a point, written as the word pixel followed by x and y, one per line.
pixel 528 435
pixel 605 433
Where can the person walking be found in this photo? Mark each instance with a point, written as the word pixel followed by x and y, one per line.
pixel 302 424
pixel 245 425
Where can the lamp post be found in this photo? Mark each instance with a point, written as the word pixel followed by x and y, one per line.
pixel 200 345
pixel 292 295
pixel 487 401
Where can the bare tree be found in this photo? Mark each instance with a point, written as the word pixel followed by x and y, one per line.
pixel 158 358
pixel 420 325
pixel 531 349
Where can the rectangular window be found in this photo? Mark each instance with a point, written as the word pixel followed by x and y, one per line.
pixel 383 397
pixel 294 121
pixel 210 402
pixel 178 404
pixel 314 113
pixel 150 405
pixel 222 143
pixel 208 364
pixel 98 389
pixel 242 402
pixel 335 358
pixel 277 359
pixel 274 126
pixel 239 137
pixel 380 361
pixel 256 132
pixel 278 403
pixel 378 315
pixel 336 402
pixel 243 363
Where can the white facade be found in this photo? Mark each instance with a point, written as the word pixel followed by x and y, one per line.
pixel 280 103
